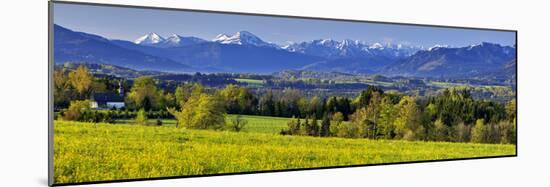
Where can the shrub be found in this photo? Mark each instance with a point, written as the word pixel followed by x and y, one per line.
pixel 409 135
pixel 348 130
pixel 238 123
pixel 141 117
pixel 76 110
pixel 293 127
pixel 159 122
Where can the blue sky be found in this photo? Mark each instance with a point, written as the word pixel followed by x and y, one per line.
pixel 131 23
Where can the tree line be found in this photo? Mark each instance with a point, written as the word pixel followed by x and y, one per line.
pixel 453 115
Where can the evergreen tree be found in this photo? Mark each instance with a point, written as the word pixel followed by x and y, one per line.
pixel 313 128
pixel 306 126
pixel 267 104
pixel 325 126
pixel 364 97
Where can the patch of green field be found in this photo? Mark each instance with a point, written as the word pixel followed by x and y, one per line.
pixel 366 81
pixel 252 82
pixel 262 124
pixel 165 122
pixel 445 84
pixel 95 152
pixel 256 124
pixel 493 88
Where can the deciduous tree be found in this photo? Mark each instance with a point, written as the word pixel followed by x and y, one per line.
pixel 479 132
pixel 201 111
pixel 81 80
pixel 144 93
pixel 336 123
pixel 408 117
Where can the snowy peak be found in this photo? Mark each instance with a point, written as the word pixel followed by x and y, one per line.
pixel 438 46
pixel 376 46
pixel 325 42
pixel 174 40
pixel 242 38
pixel 221 38
pixel 348 42
pixel 485 45
pixel 149 39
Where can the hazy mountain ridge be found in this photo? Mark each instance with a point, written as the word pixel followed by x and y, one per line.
pixel 70 46
pixel 452 62
pixel 217 57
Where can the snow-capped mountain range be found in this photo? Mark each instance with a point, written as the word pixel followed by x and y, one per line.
pixel 327 48
pixel 248 53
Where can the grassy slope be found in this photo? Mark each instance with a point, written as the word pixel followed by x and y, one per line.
pixel 87 152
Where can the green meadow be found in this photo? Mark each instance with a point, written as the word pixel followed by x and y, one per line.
pixel 256 124
pixel 101 151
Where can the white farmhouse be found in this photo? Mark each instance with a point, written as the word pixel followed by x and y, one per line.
pixel 108 100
